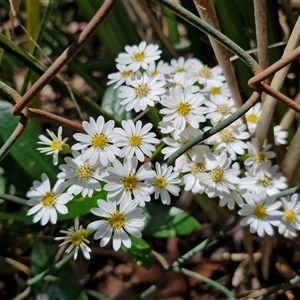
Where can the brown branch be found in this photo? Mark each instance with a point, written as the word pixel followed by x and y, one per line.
pixel 55 118
pixel 67 55
pixel 255 80
pixel 207 13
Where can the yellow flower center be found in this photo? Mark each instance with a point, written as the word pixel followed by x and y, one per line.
pixel 215 90
pixel 260 158
pixel 85 172
pixel 217 174
pixel 198 168
pixel 139 56
pixel 76 238
pixel 99 141
pixel 153 73
pixel 183 108
pixel 142 90
pixel 135 140
pixel 252 118
pixel 289 216
pixel 55 145
pixel 205 72
pixel 160 182
pixel 126 73
pixel 116 220
pixel 260 211
pixel 267 181
pixel 130 182
pixel 223 109
pixel 227 136
pixel 180 70
pixel 49 200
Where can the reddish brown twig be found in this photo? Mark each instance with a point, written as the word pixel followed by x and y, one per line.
pixel 55 118
pixel 255 80
pixel 66 56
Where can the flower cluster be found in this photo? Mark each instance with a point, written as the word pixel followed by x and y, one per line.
pixel 190 98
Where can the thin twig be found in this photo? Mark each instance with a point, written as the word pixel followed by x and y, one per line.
pixel 67 55
pixel 57 119
pixel 207 12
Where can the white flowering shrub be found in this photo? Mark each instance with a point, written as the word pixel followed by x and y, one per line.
pixel 119 169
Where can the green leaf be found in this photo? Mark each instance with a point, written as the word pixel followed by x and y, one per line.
pixel 166 221
pixel 82 206
pixel 141 252
pixel 42 256
pixel 111 104
pixel 24 163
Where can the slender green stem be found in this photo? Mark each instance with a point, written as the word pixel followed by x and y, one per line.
pixel 13 199
pixel 57 266
pixel 95 294
pixel 198 139
pixel 203 26
pixel 208 281
pixel 278 287
pixel 185 257
pixel 288 192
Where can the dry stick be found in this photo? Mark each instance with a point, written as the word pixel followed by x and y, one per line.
pixel 262 50
pixel 289 116
pixel 291 159
pixel 207 13
pixel 157 28
pixel 56 119
pixel 67 55
pixel 267 112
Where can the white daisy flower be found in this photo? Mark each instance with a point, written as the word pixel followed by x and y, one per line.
pixel 174 144
pixel 135 140
pixel 143 91
pixel 205 75
pixel 160 68
pixel 81 176
pixel 54 145
pixel 219 108
pixel 271 181
pixel 125 183
pixel 47 201
pixel 231 199
pixel 139 56
pixel 184 108
pixel 165 181
pixel 260 213
pixel 258 158
pixel 194 167
pixel 77 236
pixel 252 117
pixel 181 80
pixel 180 65
pixel 290 218
pixel 230 139
pixel 220 89
pixel 98 141
pixel 221 178
pixel 118 221
pixel 124 75
pixel 280 136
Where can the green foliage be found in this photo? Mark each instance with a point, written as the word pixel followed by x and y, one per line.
pixel 24 163
pixel 141 252
pixel 165 221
